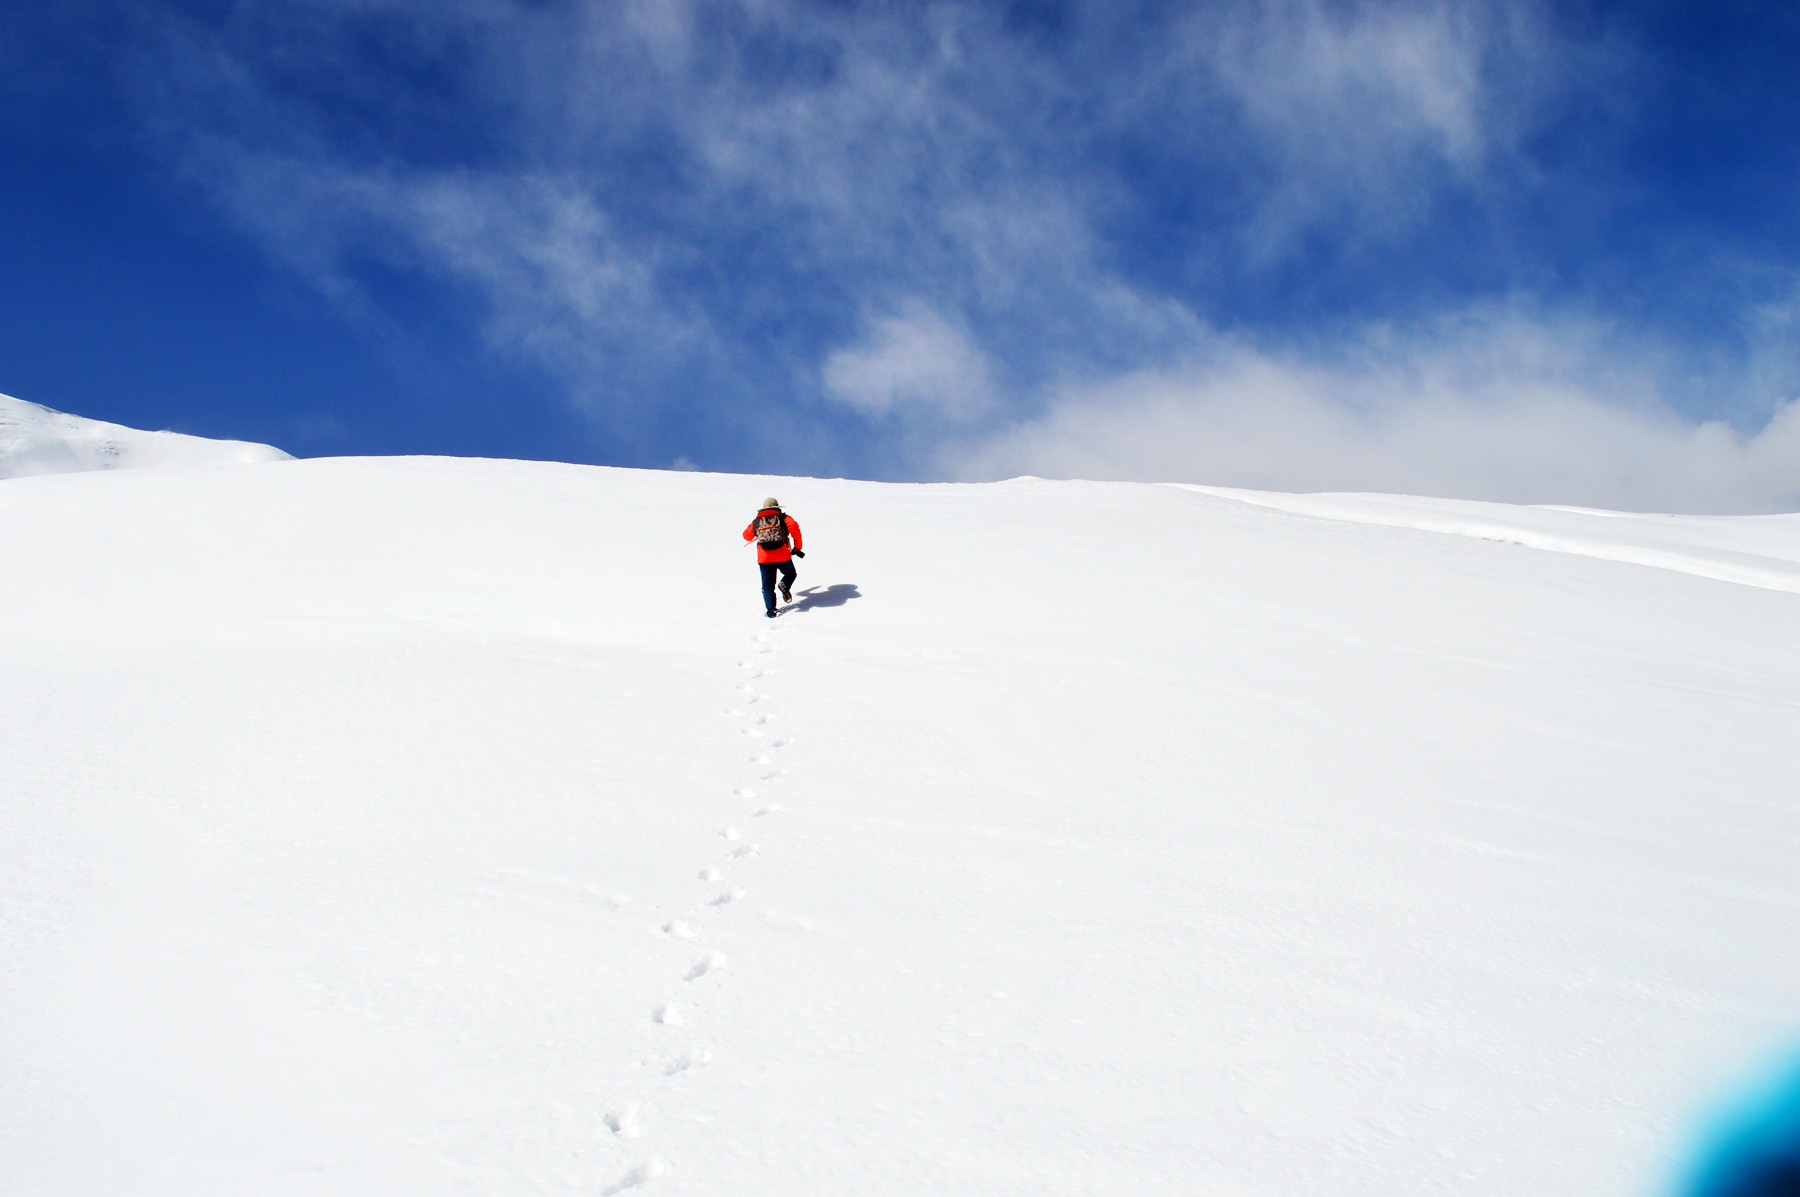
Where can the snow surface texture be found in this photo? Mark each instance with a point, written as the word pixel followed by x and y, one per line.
pixel 419 826
pixel 36 440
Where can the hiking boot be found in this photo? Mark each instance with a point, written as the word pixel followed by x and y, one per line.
pixel 770 614
pixel 785 596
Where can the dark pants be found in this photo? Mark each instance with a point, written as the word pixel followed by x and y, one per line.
pixel 769 570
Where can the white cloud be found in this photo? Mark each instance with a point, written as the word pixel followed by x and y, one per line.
pixel 1346 80
pixel 1494 407
pixel 688 199
pixel 557 284
pixel 910 362
pixel 916 155
pixel 1372 109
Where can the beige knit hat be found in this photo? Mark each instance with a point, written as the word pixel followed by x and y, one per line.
pixel 768 503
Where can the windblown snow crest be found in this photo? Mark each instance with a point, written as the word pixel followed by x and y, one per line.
pixel 37 440
pixel 1739 549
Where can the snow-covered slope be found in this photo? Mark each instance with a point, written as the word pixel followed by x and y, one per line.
pixel 36 440
pixel 418 826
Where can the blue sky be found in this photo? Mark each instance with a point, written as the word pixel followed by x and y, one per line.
pixel 1527 251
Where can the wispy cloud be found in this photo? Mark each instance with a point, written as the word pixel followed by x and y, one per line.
pixel 910 362
pixel 1375 110
pixel 1121 240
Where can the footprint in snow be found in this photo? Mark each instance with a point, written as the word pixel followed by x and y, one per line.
pixel 767 808
pixel 679 930
pixel 763 758
pixel 623 1122
pixel 711 875
pixel 668 1016
pixel 685 1061
pixel 712 962
pixel 729 833
pixel 744 792
pixel 743 851
pixel 649 1170
pixel 728 897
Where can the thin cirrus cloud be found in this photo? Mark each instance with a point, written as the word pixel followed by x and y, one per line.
pixel 1368 110
pixel 1288 243
pixel 554 281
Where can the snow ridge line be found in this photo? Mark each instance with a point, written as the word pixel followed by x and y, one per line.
pixel 704 970
pixel 1719 565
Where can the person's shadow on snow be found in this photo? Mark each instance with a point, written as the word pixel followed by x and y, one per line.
pixel 832 596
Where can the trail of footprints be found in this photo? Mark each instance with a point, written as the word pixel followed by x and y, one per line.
pixel 763 742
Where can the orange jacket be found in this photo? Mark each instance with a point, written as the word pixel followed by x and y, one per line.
pixel 776 554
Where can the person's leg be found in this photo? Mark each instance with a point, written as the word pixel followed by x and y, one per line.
pixel 788 572
pixel 768 578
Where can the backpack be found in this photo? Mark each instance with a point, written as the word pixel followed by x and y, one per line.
pixel 771 530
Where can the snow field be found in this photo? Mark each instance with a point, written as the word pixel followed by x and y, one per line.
pixel 421 826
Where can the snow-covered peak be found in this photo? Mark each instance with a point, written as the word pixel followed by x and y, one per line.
pixel 36 440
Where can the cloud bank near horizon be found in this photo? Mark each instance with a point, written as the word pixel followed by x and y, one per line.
pixel 1297 244
pixel 1505 413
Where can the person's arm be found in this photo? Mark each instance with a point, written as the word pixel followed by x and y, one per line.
pixel 794 531
pixel 750 530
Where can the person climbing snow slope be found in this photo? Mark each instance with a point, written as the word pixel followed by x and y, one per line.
pixel 777 539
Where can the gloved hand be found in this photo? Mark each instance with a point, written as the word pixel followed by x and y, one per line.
pixel 798 553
